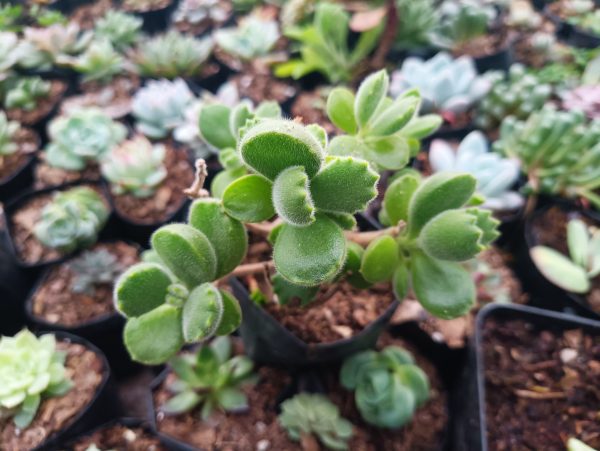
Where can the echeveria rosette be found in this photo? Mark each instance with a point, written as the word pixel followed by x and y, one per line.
pixel 30 369
pixel 8 133
pixel 383 131
pixel 171 303
pixel 440 230
pixel 314 195
pixel 81 137
pixel 388 386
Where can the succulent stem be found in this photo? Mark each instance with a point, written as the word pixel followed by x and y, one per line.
pixel 196 191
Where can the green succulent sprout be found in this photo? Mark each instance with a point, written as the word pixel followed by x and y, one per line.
pixel 225 138
pixel 31 369
pixel 25 92
pixel 462 21
pixel 171 303
pixel 252 38
pixel 72 220
pixel 518 96
pixel 172 55
pixel 324 46
pixel 210 379
pixel 45 17
pixel 416 22
pixel 100 62
pixel 81 137
pixel 93 268
pixel 135 166
pixel 122 30
pixel 559 151
pixel 383 131
pixel 388 386
pixel 314 415
pixel 8 132
pixel 575 272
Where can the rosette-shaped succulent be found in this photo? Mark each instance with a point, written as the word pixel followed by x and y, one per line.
pixel 72 220
pixel 8 131
pixel 495 175
pixel 83 136
pixel 252 38
pixel 196 11
pixel 417 21
pixel 388 386
pixel 135 166
pixel 447 85
pixel 315 415
pixel 172 55
pixel 31 369
pixel 10 52
pixel 462 21
pixel 100 62
pixel 122 30
pixel 93 268
pixel 160 106
pixel 24 92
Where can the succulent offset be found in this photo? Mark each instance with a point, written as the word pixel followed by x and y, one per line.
pixel 254 37
pixel 8 132
pixel 576 271
pixel 495 175
pixel 93 268
pixel 447 85
pixel 135 166
pixel 122 30
pixel 160 106
pixel 72 220
pixel 209 379
pixel 172 55
pixel 25 92
pixel 32 368
pixel 82 137
pixel 314 415
pixel 388 386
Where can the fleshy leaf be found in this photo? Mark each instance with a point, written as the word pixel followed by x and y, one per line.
pixel 291 197
pixel 214 126
pixel 310 255
pixel 248 199
pixel 395 117
pixel 398 195
pixel 559 270
pixel 380 259
pixel 232 315
pixel 202 313
pixel 370 94
pixel 422 126
pixel 287 291
pixel 400 281
pixel 141 288
pixel 389 152
pixel 578 241
pixel 340 109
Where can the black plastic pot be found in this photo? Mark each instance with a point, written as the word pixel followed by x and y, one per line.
pixel 11 207
pixel 68 6
pixel 18 181
pixel 127 422
pixel 157 20
pixel 571 34
pixel 473 424
pixel 501 60
pixel 101 408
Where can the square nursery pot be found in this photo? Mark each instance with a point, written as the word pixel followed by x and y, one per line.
pixel 571 34
pixel 100 409
pixel 501 60
pixel 13 206
pixel 473 423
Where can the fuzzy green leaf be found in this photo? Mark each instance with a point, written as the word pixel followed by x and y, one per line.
pixel 445 289
pixel 380 259
pixel 396 116
pixel 248 199
pixel 226 234
pixel 288 292
pixel 186 252
pixel 141 288
pixel 154 337
pixel 398 195
pixel 400 281
pixel 223 179
pixel 559 270
pixel 319 134
pixel 202 313
pixel 440 192
pixel 232 315
pixel 291 197
pixel 389 152
pixel 347 146
pixel 371 93
pixel 310 255
pixel 340 109
pixel 214 126
pixel 239 115
pixel 274 145
pixel 344 185
pixel 422 126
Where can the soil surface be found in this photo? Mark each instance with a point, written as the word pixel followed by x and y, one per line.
pixel 43 107
pixel 495 282
pixel 46 176
pixel 56 302
pixel 339 311
pixel 167 199
pixel 550 229
pixel 86 15
pixel 29 249
pixel 310 106
pixel 485 45
pixel 86 371
pixel 259 87
pixel 541 387
pixel 28 142
pixel 154 5
pixel 119 437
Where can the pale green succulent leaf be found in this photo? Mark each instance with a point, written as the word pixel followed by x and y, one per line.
pixel 397 197
pixel 340 109
pixel 202 313
pixel 371 93
pixel 559 270
pixel 214 126
pixel 380 259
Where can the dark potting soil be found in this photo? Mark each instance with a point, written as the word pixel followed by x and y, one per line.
pixel 42 108
pixel 86 371
pixel 86 15
pixel 27 142
pixel 169 196
pixel 260 87
pixel 56 302
pixel 47 176
pixel 119 437
pixel 311 107
pixel 550 229
pixel 148 6
pixel 29 249
pixel 339 311
pixel 505 287
pixel 541 387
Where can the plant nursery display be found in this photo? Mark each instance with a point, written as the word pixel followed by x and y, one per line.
pixel 299 225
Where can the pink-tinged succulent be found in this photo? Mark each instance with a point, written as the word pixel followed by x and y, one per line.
pixel 585 98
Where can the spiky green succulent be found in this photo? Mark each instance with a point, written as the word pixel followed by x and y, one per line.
pixel 8 132
pixel 81 137
pixel 25 92
pixel 72 220
pixel 32 368
pixel 122 30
